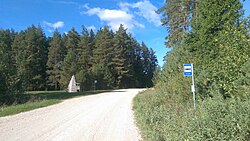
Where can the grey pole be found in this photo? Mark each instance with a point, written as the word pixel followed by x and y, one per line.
pixel 95 82
pixel 193 89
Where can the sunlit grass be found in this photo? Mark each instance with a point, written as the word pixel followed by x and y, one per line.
pixel 11 110
pixel 37 99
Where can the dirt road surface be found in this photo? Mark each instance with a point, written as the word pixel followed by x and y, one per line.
pixel 102 117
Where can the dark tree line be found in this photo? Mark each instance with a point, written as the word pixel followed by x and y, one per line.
pixel 214 36
pixel 31 61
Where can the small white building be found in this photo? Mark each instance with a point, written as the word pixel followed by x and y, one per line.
pixel 73 86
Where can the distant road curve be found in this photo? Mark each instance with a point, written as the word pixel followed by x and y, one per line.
pixel 102 117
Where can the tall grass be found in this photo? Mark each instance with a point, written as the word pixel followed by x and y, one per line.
pixel 167 118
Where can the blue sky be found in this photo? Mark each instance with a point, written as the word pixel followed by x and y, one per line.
pixel 137 15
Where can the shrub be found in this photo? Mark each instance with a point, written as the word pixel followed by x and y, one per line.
pixel 161 117
pixel 219 119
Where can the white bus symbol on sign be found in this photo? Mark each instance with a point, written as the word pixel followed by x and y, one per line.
pixel 188 70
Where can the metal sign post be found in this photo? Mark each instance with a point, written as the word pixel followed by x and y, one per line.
pixel 95 82
pixel 189 71
pixel 193 88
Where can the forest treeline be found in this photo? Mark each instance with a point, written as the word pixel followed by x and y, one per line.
pixel 31 61
pixel 214 35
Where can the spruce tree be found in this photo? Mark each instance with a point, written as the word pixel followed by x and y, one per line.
pixel 102 57
pixel 91 43
pixel 55 60
pixel 84 73
pixel 69 67
pixel 73 39
pixel 152 65
pixel 31 57
pixel 215 32
pixel 138 63
pixel 70 63
pixel 19 54
pixel 145 64
pixel 85 54
pixel 8 83
pixel 123 58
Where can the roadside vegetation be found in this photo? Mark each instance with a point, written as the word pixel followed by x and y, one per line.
pixel 15 109
pixel 165 118
pixel 214 36
pixel 18 103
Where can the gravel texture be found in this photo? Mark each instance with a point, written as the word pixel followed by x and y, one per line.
pixel 101 117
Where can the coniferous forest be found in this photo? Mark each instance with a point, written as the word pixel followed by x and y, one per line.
pixel 31 61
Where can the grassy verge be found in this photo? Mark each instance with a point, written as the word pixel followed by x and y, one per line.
pixel 163 118
pixel 14 104
pixel 11 110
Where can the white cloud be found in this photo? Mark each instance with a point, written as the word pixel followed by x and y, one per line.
pixel 146 9
pixel 86 5
pixel 91 27
pixel 113 17
pixel 55 25
pixel 128 14
pixel 62 2
pixel 124 6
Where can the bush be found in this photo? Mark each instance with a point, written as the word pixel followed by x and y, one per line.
pixel 12 99
pixel 149 111
pixel 161 117
pixel 219 119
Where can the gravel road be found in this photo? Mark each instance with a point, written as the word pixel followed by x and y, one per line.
pixel 101 117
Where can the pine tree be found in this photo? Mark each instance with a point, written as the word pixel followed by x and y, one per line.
pixel 177 16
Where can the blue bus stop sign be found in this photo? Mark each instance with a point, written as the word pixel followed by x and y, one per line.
pixel 188 70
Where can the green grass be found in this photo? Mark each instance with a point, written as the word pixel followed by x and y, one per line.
pixel 14 104
pixel 60 95
pixel 11 110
